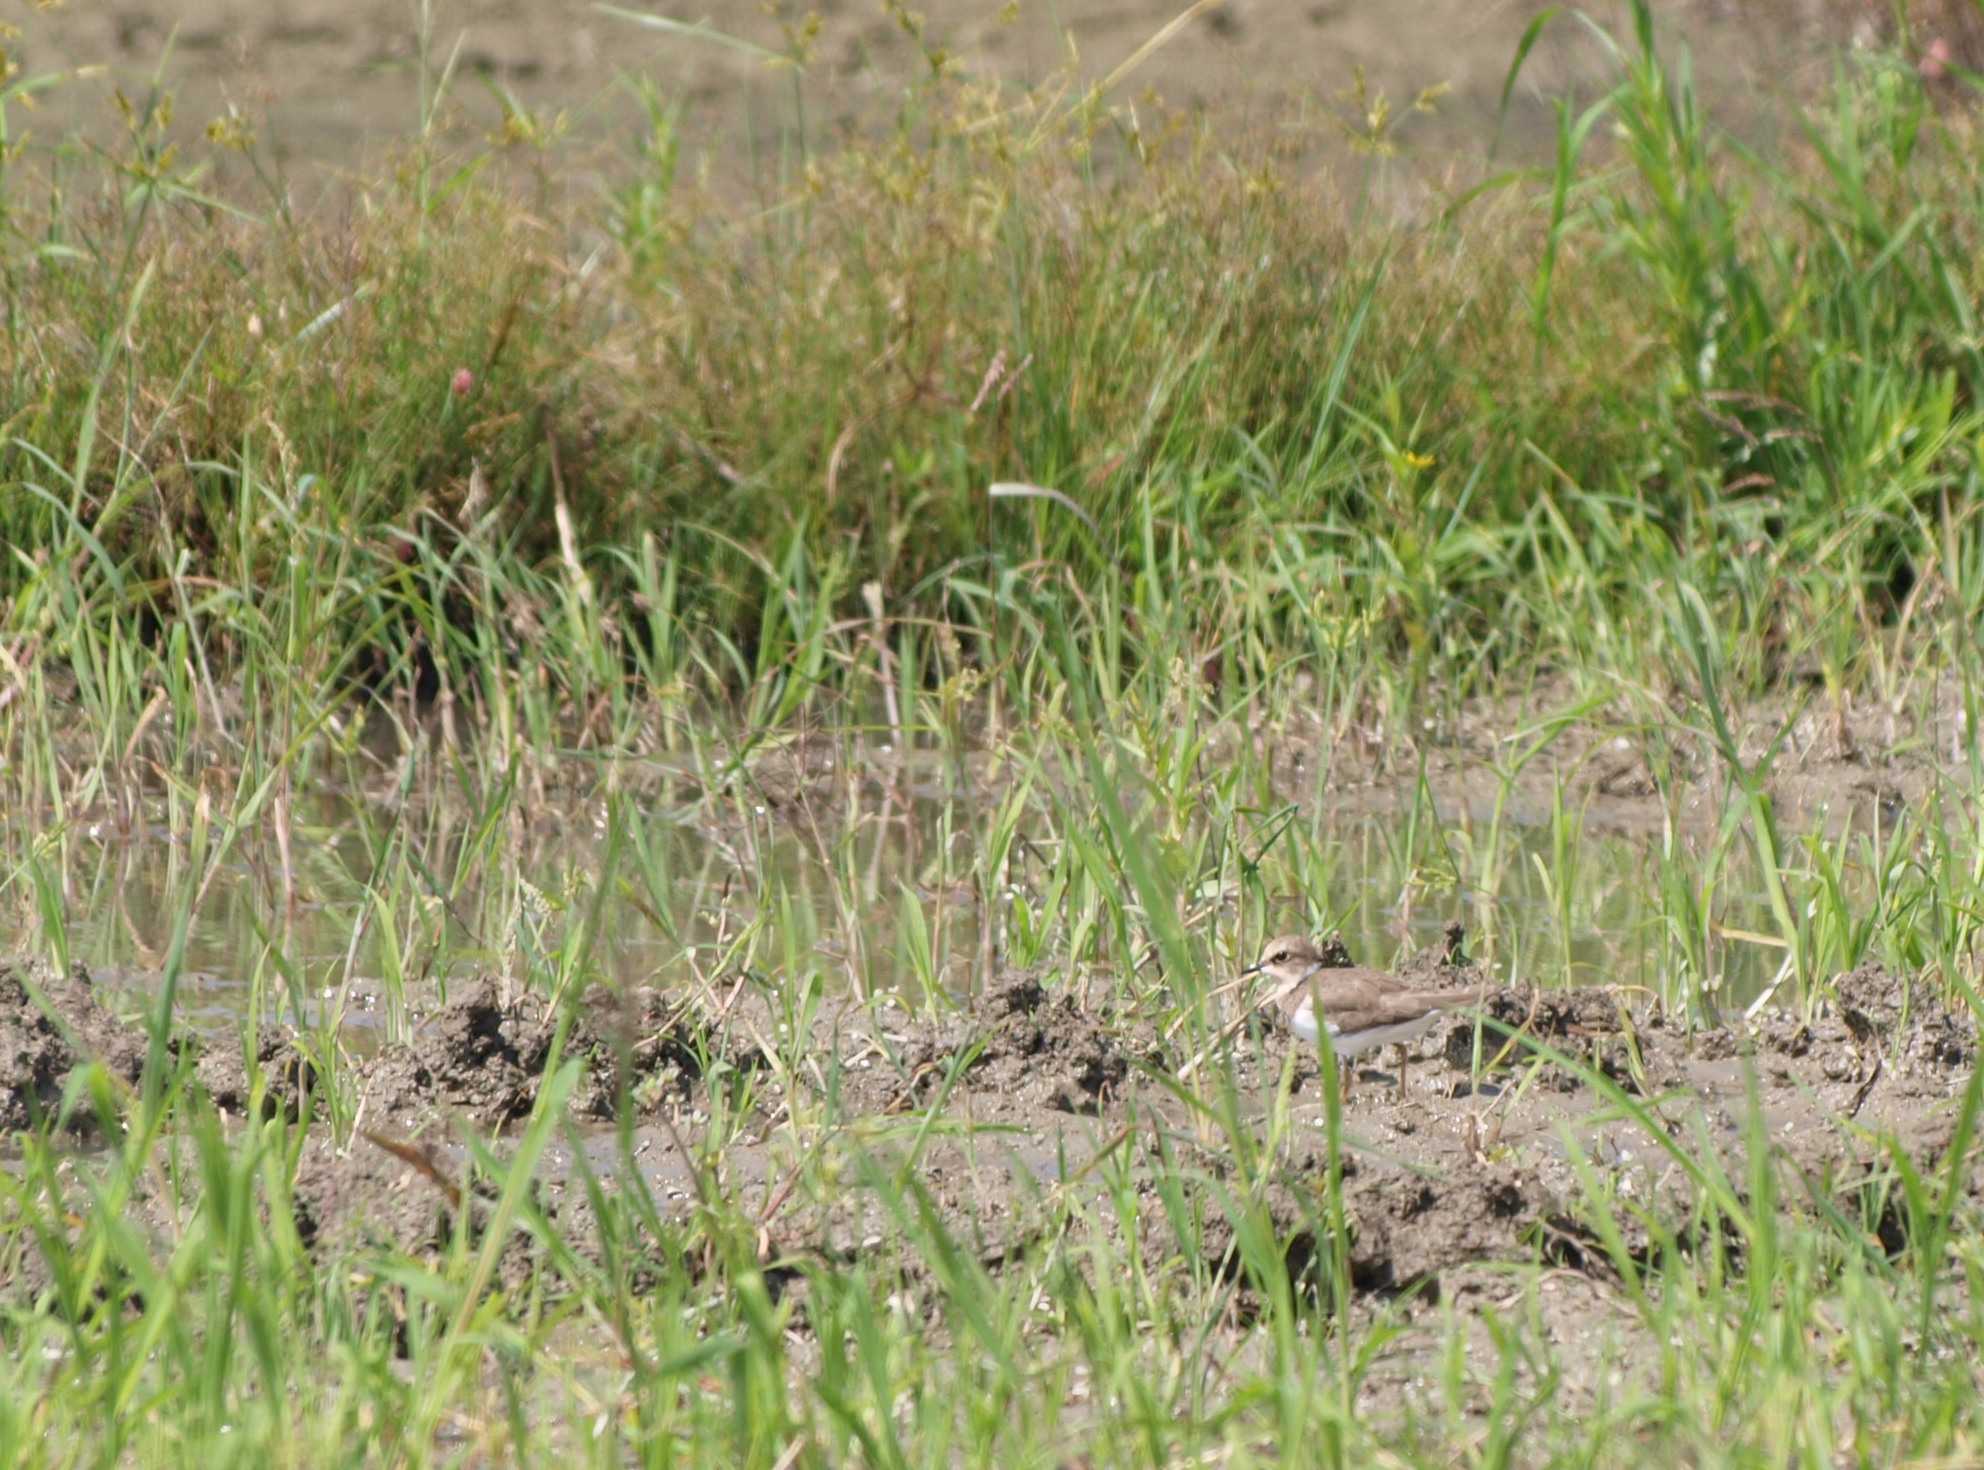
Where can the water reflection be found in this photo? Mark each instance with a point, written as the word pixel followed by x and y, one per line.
pixel 388 901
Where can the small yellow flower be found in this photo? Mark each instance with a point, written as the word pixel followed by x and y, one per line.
pixel 231 130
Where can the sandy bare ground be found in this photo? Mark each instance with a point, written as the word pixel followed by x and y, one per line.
pixel 327 81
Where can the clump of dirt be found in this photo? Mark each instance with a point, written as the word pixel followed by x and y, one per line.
pixel 1447 965
pixel 50 1023
pixel 484 1058
pixel 1408 1228
pixel 1334 953
pixel 1909 1023
pixel 374 1195
pixel 474 1055
pixel 1593 1027
pixel 656 1045
pixel 289 1077
pixel 1869 1023
pixel 1039 1052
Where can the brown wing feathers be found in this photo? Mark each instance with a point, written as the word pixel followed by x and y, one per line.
pixel 1361 999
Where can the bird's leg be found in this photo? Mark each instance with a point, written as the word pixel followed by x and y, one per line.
pixel 1404 1056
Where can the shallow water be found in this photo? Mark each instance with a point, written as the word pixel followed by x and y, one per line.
pixel 1541 901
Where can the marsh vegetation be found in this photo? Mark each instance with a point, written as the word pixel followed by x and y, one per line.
pixel 582 888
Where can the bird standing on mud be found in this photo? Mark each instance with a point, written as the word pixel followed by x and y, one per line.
pixel 1362 1009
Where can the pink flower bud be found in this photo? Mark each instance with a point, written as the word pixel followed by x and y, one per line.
pixel 464 382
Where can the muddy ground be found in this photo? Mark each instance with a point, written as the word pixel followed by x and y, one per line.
pixel 1452 1171
pixel 326 82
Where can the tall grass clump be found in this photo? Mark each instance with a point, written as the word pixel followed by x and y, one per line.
pixel 393 439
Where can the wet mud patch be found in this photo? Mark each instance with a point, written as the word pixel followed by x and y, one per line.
pixel 402 1198
pixel 387 1197
pixel 992 1117
pixel 1627 769
pixel 476 1055
pixel 44 1228
pixel 1483 1166
pixel 1403 1227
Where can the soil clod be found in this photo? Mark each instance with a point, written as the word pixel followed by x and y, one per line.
pixel 50 1023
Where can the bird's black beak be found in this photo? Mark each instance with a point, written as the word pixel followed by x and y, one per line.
pixel 1253 969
